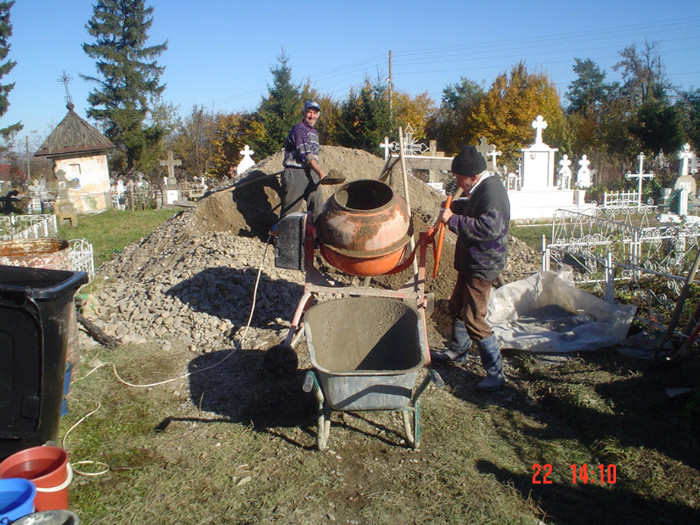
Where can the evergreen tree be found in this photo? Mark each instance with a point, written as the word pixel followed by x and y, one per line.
pixel 364 119
pixel 8 132
pixel 280 110
pixel 589 90
pixel 451 125
pixel 129 77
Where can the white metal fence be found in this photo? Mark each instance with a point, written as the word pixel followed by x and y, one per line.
pixel 27 227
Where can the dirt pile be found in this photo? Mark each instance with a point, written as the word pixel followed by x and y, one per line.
pixel 194 278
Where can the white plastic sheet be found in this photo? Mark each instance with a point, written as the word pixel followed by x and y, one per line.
pixel 547 313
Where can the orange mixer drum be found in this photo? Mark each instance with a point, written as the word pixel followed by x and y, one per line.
pixel 364 228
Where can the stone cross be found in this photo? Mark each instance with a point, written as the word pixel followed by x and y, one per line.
pixel 583 175
pixel 539 124
pixel 485 148
pixel 640 176
pixel 564 172
pixel 493 155
pixel 171 163
pixel 684 155
pixel 387 147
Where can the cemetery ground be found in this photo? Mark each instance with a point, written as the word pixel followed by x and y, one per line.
pixel 221 441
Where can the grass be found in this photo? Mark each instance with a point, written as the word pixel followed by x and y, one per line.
pixel 531 234
pixel 475 463
pixel 111 231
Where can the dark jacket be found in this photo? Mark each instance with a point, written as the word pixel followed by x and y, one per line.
pixel 481 223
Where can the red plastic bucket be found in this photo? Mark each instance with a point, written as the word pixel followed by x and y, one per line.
pixel 48 468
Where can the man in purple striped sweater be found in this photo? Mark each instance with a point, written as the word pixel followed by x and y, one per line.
pixel 302 174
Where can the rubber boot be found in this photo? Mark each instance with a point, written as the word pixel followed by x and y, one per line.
pixel 459 345
pixel 492 362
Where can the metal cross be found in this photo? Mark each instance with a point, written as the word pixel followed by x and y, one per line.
pixel 640 176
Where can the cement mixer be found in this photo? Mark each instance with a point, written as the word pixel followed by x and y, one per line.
pixel 367 346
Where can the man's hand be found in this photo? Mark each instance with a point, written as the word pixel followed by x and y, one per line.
pixel 445 214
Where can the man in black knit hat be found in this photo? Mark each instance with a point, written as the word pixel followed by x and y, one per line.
pixel 481 223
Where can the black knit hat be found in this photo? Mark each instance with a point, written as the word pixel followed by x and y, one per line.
pixel 468 162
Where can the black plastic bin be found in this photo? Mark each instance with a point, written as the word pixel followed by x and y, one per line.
pixel 35 311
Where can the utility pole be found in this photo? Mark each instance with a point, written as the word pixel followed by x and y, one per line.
pixel 391 110
pixel 29 163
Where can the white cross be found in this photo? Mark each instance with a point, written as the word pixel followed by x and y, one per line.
pixel 640 176
pixel 539 124
pixel 564 172
pixel 493 156
pixel 685 155
pixel 387 147
pixel 246 151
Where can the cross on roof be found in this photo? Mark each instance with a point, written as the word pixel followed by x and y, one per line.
pixel 640 176
pixel 171 163
pixel 66 79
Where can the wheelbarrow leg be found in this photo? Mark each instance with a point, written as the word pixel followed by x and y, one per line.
pixel 414 406
pixel 323 420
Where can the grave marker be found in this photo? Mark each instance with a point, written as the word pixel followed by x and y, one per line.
pixel 640 176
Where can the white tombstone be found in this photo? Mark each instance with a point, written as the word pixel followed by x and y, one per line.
pixel 583 175
pixel 564 173
pixel 685 155
pixel 538 162
pixel 247 160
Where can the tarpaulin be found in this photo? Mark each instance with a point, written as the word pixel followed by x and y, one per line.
pixel 546 312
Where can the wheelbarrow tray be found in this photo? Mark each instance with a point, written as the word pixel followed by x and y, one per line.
pixel 367 351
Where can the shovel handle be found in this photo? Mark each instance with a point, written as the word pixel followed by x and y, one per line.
pixel 441 238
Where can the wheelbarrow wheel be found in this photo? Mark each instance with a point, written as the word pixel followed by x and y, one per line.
pixel 280 361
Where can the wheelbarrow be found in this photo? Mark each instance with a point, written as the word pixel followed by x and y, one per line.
pixel 367 353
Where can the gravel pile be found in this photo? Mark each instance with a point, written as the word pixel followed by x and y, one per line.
pixel 192 280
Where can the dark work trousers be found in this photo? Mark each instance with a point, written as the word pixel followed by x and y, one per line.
pixel 469 302
pixel 301 184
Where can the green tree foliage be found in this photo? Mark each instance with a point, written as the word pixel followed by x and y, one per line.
pixel 193 141
pixel 690 108
pixel 587 93
pixel 365 118
pixel 505 113
pixel 329 120
pixel 280 109
pixel 128 79
pixel 451 124
pixel 8 132
pixel 658 127
pixel 639 115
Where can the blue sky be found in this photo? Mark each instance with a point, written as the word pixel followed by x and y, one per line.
pixel 220 52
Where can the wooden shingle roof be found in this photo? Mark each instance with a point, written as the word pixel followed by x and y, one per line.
pixel 73 135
